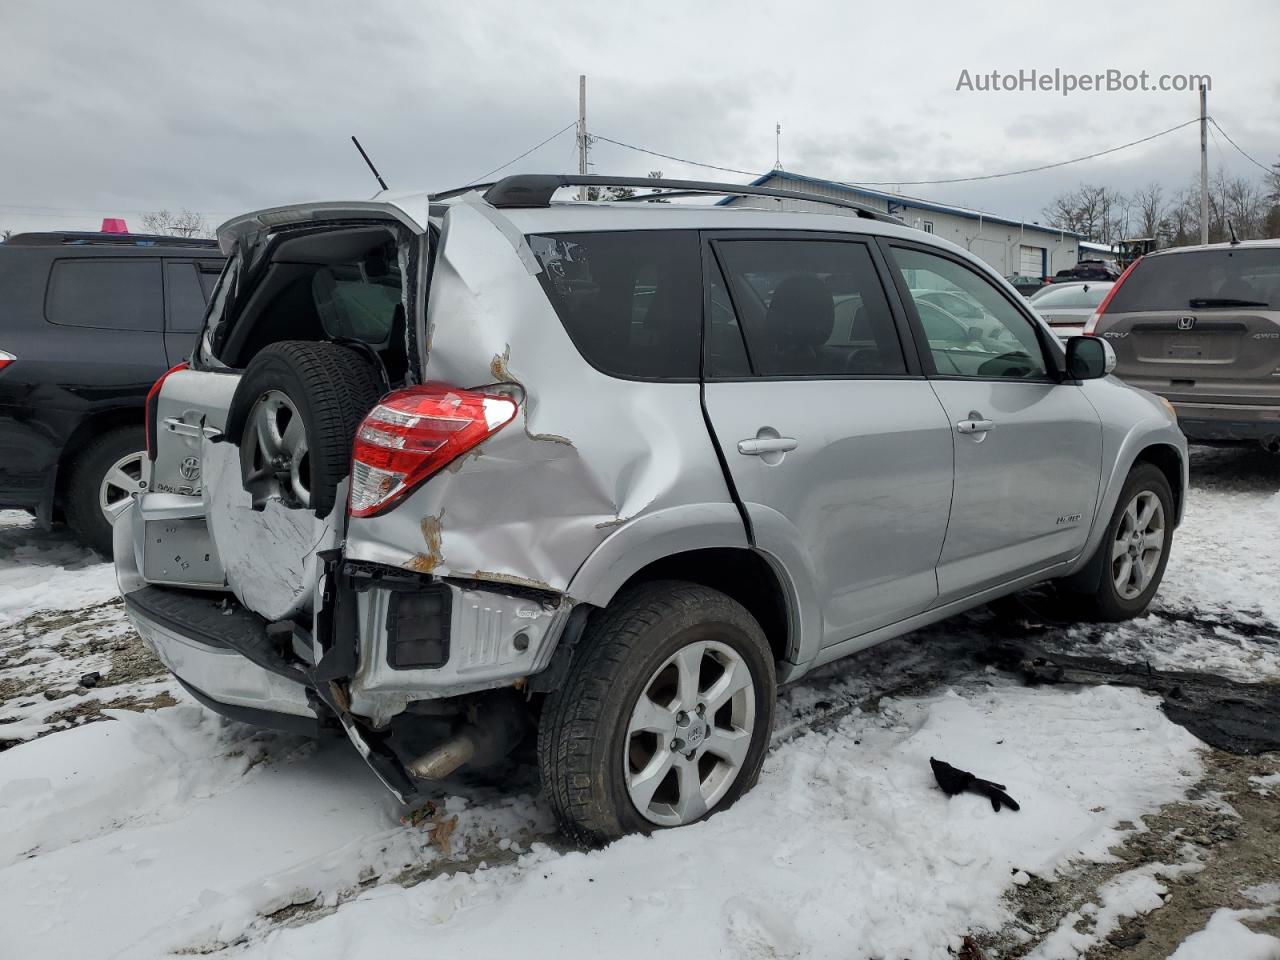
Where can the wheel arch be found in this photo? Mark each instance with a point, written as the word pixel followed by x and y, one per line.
pixel 89 428
pixel 704 544
pixel 1172 463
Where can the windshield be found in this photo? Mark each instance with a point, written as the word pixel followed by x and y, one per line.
pixel 1075 295
pixel 1227 277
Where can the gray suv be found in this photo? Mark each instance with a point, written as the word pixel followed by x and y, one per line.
pixel 447 470
pixel 1201 327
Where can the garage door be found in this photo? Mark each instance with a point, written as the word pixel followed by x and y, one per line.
pixel 1031 261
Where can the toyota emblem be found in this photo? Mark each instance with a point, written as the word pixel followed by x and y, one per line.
pixel 190 468
pixel 1186 323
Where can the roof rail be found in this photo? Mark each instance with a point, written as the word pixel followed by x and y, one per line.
pixel 53 238
pixel 536 190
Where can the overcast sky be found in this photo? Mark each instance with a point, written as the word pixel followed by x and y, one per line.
pixel 115 108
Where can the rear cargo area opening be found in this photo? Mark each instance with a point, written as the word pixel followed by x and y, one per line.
pixel 342 285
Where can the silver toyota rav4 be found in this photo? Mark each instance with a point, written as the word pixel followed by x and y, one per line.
pixel 446 470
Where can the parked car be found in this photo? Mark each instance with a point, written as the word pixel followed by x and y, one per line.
pixel 1088 270
pixel 1201 327
pixel 1066 307
pixel 1027 285
pixel 625 470
pixel 90 320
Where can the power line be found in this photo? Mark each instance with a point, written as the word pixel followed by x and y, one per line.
pixel 913 183
pixel 1262 167
pixel 485 176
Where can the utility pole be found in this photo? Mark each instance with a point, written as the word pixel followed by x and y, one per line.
pixel 582 132
pixel 1204 169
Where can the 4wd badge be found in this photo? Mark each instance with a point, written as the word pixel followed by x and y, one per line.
pixel 190 468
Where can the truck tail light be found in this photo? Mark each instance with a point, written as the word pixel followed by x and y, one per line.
pixel 1091 324
pixel 153 409
pixel 413 433
pixel 6 359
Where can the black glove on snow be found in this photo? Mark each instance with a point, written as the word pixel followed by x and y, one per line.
pixel 953 781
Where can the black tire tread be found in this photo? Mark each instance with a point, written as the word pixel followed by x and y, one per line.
pixel 572 716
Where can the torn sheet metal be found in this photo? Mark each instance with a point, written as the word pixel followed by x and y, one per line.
pixel 269 556
pixel 530 504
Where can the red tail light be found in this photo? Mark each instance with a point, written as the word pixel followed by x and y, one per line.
pixel 152 409
pixel 1092 323
pixel 6 359
pixel 412 434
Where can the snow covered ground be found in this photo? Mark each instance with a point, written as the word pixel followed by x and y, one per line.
pixel 164 829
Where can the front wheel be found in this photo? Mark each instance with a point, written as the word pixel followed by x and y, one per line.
pixel 665 715
pixel 1135 549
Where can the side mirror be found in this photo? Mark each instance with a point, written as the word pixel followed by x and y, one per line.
pixel 1089 358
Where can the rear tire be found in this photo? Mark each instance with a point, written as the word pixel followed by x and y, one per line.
pixel 102 477
pixel 1146 501
pixel 599 747
pixel 331 388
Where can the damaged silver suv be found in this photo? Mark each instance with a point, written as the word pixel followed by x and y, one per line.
pixel 450 472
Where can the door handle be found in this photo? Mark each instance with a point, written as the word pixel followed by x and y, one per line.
pixel 974 425
pixel 756 446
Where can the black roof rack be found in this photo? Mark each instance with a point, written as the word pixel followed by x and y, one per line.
pixel 536 190
pixel 55 238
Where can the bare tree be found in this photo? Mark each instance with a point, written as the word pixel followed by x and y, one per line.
pixel 1149 210
pixel 185 224
pixel 5 235
pixel 1098 212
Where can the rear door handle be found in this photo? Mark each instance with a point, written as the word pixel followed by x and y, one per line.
pixel 755 446
pixel 974 426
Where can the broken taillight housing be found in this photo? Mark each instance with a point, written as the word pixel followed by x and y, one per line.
pixel 413 433
pixel 153 408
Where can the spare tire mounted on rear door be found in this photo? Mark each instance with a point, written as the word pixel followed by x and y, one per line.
pixel 294 415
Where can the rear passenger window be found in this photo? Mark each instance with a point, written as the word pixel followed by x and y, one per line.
pixel 811 308
pixel 107 294
pixel 630 300
pixel 185 297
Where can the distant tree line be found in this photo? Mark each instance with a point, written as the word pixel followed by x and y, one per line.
pixel 1104 215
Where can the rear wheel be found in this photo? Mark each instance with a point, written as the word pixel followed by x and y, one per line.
pixel 1133 553
pixel 103 479
pixel 665 715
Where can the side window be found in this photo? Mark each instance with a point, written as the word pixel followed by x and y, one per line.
pixel 972 330
pixel 184 297
pixel 106 294
pixel 726 352
pixel 631 300
pixel 209 270
pixel 359 300
pixel 811 308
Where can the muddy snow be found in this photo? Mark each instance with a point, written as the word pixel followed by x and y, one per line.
pixel 136 824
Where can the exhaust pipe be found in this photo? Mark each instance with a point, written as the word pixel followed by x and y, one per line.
pixel 495 726
pixel 1271 444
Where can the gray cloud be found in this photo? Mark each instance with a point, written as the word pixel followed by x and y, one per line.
pixel 138 104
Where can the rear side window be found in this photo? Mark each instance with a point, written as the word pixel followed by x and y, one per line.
pixel 106 294
pixel 1201 280
pixel 812 308
pixel 630 300
pixel 185 296
pixel 209 271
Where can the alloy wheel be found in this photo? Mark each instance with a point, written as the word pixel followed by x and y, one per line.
pixel 121 481
pixel 689 733
pixel 1138 544
pixel 274 453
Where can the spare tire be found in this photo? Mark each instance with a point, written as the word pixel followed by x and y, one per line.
pixel 294 415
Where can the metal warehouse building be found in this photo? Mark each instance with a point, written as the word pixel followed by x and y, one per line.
pixel 1010 246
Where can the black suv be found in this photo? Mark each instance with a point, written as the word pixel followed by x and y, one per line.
pixel 88 322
